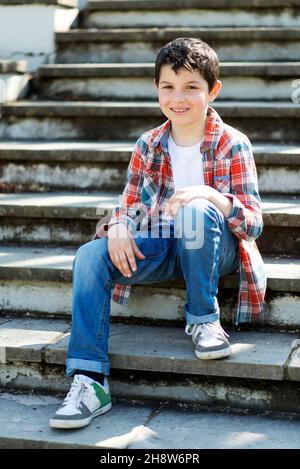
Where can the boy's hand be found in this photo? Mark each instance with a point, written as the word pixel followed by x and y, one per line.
pixel 122 249
pixel 183 196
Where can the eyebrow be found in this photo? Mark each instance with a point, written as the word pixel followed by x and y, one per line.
pixel 187 83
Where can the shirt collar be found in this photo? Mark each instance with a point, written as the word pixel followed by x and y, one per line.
pixel 212 132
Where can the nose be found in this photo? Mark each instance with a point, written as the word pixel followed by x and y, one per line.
pixel 179 96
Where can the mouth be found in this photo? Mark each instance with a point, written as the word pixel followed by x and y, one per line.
pixel 179 111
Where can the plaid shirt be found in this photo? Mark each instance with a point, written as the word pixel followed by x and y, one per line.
pixel 229 167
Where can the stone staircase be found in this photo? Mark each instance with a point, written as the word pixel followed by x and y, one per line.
pixel 64 152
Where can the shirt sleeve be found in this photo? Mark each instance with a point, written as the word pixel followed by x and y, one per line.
pixel 245 219
pixel 127 211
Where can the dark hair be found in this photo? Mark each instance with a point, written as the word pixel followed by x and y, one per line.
pixel 189 53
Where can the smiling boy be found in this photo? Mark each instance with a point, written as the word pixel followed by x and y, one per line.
pixel 193 167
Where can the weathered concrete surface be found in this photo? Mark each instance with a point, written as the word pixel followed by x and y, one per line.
pixel 196 389
pixel 35 297
pixel 125 5
pixel 24 339
pixel 293 369
pixel 102 121
pixel 147 305
pixel 277 211
pixel 118 429
pixel 54 264
pixel 64 3
pixel 193 17
pixel 279 180
pixel 231 44
pixel 64 176
pixel 269 154
pixel 143 70
pixel 169 33
pixel 235 88
pixel 255 355
pixel 31 175
pixel 13 86
pixel 144 425
pixel 12 66
pixel 235 430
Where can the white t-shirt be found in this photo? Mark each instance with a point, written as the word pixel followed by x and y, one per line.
pixel 187 168
pixel 187 165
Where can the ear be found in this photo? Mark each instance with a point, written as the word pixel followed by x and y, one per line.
pixel 214 93
pixel 154 84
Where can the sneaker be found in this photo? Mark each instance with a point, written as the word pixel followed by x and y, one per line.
pixel 85 400
pixel 210 340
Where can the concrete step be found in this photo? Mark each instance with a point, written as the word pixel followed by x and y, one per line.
pixel 77 166
pixel 138 425
pixel 101 14
pixel 13 66
pixel 102 121
pixel 68 218
pixel 241 81
pixel 142 44
pixel 63 3
pixel 14 81
pixel 37 280
pixel 262 364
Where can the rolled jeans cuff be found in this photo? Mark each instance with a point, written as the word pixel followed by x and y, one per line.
pixel 73 364
pixel 203 319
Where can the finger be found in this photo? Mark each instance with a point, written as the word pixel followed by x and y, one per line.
pixel 131 258
pixel 136 251
pixel 112 257
pixel 124 264
pixel 118 265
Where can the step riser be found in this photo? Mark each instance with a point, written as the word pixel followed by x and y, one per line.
pixel 102 128
pixel 189 17
pixel 133 89
pixel 279 180
pixel 45 177
pixel 218 391
pixel 19 177
pixel 51 231
pixel 125 52
pixel 18 296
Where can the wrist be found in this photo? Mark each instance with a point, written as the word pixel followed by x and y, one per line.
pixel 117 230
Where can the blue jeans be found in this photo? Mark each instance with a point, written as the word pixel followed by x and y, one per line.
pixel 165 259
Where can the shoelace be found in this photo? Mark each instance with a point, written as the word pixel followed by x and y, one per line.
pixel 205 330
pixel 77 391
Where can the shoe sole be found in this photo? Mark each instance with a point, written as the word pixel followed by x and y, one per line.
pixel 55 423
pixel 213 355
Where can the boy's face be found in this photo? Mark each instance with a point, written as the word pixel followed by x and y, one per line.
pixel 184 97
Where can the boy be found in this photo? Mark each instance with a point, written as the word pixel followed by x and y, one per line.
pixel 194 167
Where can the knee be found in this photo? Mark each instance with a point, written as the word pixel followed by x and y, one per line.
pixel 203 210
pixel 91 252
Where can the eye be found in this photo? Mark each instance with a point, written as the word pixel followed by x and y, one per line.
pixel 192 87
pixel 167 87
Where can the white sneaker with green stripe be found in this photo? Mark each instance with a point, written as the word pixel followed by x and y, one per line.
pixel 85 400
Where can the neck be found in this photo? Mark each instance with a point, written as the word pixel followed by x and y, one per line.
pixel 186 136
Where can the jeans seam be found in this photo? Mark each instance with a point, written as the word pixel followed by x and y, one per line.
pixel 102 323
pixel 157 255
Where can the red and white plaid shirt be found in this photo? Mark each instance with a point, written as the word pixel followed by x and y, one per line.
pixel 229 167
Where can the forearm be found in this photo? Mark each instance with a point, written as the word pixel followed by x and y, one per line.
pixel 223 204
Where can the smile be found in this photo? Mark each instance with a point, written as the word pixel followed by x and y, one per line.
pixel 179 111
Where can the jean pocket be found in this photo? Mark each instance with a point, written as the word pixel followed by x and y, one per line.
pixel 152 247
